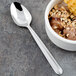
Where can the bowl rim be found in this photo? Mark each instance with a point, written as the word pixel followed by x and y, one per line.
pixel 50 5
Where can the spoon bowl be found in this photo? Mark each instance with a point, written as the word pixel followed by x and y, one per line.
pixel 20 14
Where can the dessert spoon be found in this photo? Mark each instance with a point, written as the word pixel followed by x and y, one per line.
pixel 23 18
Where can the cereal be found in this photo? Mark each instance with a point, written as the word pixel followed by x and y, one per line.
pixel 71 5
pixel 63 22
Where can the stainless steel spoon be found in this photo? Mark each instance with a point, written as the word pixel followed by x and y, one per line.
pixel 23 18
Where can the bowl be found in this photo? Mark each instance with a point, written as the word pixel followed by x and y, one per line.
pixel 59 41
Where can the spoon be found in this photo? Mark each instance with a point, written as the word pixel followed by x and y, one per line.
pixel 23 18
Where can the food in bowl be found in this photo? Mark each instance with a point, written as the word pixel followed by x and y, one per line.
pixel 59 41
pixel 62 21
pixel 71 5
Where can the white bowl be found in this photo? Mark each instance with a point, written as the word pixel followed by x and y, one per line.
pixel 63 43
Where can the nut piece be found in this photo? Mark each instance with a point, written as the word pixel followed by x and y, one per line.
pixel 56 7
pixel 74 23
pixel 72 16
pixel 67 35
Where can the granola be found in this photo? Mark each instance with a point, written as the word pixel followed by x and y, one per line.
pixel 63 22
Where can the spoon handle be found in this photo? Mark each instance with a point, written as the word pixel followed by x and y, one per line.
pixel 46 52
